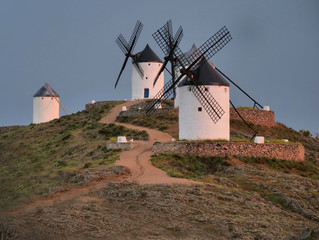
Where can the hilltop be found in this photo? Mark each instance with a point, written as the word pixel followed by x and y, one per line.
pixel 60 181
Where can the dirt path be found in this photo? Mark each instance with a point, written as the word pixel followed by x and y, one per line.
pixel 138 158
pixel 63 196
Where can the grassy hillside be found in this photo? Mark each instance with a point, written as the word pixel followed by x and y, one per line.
pixel 167 121
pixel 44 158
pixel 243 198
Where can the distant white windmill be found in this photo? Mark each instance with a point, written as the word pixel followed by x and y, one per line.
pixel 146 65
pixel 142 86
pixel 46 103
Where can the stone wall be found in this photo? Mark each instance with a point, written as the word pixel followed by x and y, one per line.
pixel 269 150
pixel 256 116
pixel 120 146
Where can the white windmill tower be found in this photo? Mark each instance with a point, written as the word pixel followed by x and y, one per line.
pixel 45 104
pixel 150 63
pixel 195 122
pixel 146 65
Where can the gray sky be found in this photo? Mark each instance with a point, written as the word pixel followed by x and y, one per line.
pixel 274 53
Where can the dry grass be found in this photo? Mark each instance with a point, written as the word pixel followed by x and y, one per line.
pixel 37 159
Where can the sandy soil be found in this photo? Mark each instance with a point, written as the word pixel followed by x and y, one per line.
pixel 138 158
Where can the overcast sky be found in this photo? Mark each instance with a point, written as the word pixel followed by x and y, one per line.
pixel 274 53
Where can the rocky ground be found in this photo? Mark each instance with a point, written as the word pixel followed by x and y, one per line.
pixel 223 209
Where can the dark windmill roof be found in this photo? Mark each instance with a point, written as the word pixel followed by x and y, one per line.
pixel 207 76
pixel 46 91
pixel 147 55
pixel 190 52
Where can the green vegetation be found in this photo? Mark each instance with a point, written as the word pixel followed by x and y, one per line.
pixel 265 193
pixel 243 107
pixel 167 122
pixel 306 169
pixel 197 167
pixel 38 158
pixel 202 168
pixel 112 130
pixel 273 134
pixel 305 133
pixel 189 166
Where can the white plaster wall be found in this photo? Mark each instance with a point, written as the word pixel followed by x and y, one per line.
pixel 138 84
pixel 45 109
pixel 176 100
pixel 195 125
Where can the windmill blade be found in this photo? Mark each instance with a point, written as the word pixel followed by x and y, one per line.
pixel 127 49
pixel 209 103
pixel 138 67
pixel 164 38
pixel 248 125
pixel 178 35
pixel 122 69
pixel 122 43
pixel 169 27
pixel 165 92
pixel 135 34
pixel 255 102
pixel 160 71
pixel 205 51
pixel 161 38
pixel 212 46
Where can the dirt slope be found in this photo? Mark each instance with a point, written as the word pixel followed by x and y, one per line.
pixel 143 209
pixel 137 159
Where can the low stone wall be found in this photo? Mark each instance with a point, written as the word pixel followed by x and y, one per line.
pixel 119 146
pixel 256 116
pixel 269 150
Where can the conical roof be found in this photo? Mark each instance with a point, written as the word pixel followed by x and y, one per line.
pixel 207 76
pixel 147 55
pixel 46 91
pixel 190 52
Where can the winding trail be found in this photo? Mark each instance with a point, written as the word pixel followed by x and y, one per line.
pixel 138 158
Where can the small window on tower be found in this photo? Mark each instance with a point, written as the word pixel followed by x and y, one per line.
pixel 225 89
pixel 146 78
pixel 199 109
pixel 206 89
pixel 149 64
pixel 51 98
pixel 159 64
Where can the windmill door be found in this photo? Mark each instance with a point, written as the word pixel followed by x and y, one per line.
pixel 146 93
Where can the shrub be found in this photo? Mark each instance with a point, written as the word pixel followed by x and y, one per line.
pixel 62 163
pixel 305 133
pixel 87 165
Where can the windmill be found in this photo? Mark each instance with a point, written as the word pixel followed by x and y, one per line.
pixel 44 107
pixel 168 43
pixel 146 65
pixel 189 67
pixel 214 75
